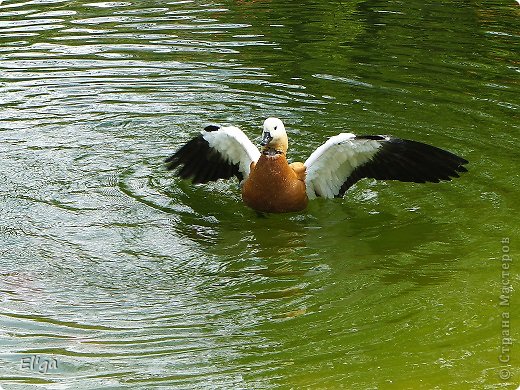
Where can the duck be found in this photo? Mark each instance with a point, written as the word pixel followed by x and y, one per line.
pixel 270 184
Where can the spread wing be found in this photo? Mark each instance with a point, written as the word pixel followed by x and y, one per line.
pixel 346 158
pixel 217 153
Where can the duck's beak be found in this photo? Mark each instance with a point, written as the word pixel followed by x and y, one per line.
pixel 266 138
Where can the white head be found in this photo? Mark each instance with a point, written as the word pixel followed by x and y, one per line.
pixel 274 135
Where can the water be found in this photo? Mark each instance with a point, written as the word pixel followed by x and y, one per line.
pixel 122 276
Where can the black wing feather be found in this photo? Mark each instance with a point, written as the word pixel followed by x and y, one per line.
pixel 408 161
pixel 197 161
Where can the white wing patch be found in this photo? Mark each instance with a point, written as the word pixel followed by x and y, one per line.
pixel 234 146
pixel 329 166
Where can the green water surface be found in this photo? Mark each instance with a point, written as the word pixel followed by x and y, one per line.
pixel 133 279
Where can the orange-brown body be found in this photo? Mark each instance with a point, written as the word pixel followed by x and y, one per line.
pixel 274 186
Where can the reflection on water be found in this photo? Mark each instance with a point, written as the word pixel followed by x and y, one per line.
pixel 130 278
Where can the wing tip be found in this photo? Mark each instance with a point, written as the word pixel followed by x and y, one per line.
pixel 211 128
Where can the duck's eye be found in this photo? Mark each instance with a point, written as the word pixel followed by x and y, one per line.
pixel 275 127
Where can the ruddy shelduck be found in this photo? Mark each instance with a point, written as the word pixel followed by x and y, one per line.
pixel 270 184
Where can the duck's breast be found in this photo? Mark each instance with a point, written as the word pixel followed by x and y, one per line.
pixel 274 187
